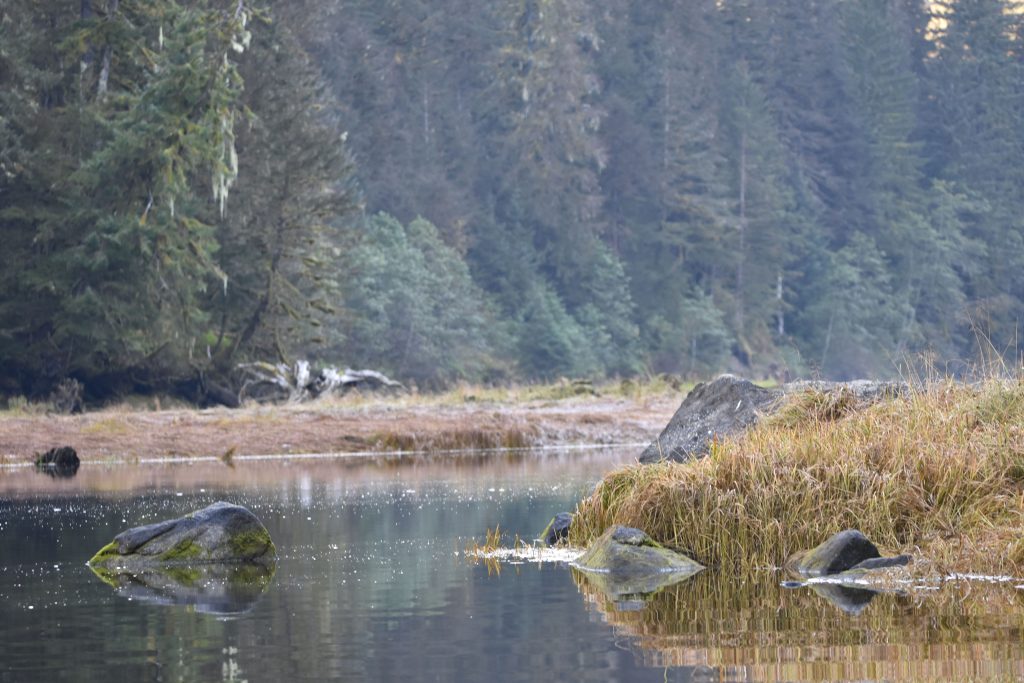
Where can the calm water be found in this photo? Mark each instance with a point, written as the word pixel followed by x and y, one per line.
pixel 372 585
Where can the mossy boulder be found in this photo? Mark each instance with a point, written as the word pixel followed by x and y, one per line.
pixel 849 552
pixel 219 533
pixel 626 561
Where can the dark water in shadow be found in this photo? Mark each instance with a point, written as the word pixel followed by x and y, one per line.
pixel 372 585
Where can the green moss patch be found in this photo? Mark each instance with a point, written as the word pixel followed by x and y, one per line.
pixel 251 544
pixel 183 550
pixel 105 554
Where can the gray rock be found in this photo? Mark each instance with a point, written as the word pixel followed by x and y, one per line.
pixel 61 461
pixel 848 553
pixel 882 563
pixel 728 405
pixel 557 530
pixel 220 533
pixel 718 408
pixel 625 561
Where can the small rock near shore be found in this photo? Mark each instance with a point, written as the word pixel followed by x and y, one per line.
pixel 221 532
pixel 625 552
pixel 845 551
pixel 557 530
pixel 63 458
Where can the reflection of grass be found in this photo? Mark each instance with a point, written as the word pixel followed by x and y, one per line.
pixel 755 630
pixel 939 474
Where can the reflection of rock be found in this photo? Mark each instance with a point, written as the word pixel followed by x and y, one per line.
pixel 219 533
pixel 847 598
pixel 557 530
pixel 59 462
pixel 626 562
pixel 848 550
pixel 630 595
pixel 209 588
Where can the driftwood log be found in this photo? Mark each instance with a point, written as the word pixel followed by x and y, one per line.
pixel 280 382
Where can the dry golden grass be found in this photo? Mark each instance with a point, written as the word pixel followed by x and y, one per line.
pixel 938 473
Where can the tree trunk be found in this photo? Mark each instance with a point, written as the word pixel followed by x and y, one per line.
pixel 108 53
pixel 743 234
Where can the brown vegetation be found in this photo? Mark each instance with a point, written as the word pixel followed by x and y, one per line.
pixel 463 419
pixel 938 474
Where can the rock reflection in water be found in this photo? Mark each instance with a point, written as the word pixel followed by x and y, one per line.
pixel 219 589
pixel 851 600
pixel 630 594
pixel 756 630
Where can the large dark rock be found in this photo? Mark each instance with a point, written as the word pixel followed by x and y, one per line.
pixel 557 530
pixel 220 533
pixel 61 462
pixel 718 408
pixel 728 405
pixel 849 553
pixel 626 561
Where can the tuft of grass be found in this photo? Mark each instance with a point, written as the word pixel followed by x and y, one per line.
pixel 815 406
pixel 938 474
pixel 492 542
pixel 469 438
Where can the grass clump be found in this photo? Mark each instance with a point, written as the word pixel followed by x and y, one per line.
pixel 938 473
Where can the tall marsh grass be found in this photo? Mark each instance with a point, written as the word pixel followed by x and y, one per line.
pixel 938 473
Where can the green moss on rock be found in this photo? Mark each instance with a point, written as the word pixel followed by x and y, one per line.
pixel 182 551
pixel 253 543
pixel 106 553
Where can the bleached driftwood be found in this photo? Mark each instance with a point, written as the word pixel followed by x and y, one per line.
pixel 296 383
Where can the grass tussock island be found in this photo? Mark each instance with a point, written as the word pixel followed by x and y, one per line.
pixel 938 473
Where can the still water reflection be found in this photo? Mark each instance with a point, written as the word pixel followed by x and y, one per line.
pixel 372 585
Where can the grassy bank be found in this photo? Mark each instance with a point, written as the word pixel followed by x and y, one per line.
pixel 938 473
pixel 562 413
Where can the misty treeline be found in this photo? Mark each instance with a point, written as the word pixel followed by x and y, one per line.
pixel 511 189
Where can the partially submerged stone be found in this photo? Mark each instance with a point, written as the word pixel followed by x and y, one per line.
pixel 557 530
pixel 848 552
pixel 61 462
pixel 219 533
pixel 626 561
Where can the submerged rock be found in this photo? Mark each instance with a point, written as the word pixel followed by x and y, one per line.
pixel 59 462
pixel 626 561
pixel 557 530
pixel 219 533
pixel 847 551
pixel 220 589
pixel 728 405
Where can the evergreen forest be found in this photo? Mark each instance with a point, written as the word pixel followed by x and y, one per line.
pixel 510 190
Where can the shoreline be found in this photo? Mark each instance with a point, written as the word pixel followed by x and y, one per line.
pixel 336 429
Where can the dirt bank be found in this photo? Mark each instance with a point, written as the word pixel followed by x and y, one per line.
pixel 337 427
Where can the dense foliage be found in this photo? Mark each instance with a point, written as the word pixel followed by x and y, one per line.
pixel 519 188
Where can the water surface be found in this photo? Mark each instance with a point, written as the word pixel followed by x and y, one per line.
pixel 373 585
